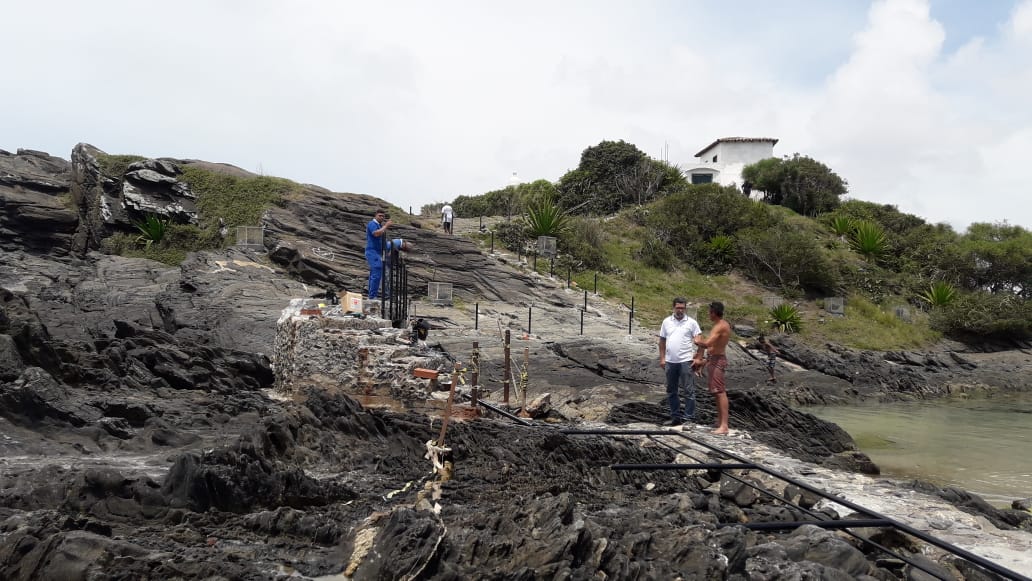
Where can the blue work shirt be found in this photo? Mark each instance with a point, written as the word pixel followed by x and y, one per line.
pixel 372 243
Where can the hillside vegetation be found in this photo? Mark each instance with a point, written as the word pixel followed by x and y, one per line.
pixel 906 282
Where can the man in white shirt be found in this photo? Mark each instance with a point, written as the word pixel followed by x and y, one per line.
pixel 447 216
pixel 676 356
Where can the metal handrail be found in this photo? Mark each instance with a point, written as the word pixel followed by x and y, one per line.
pixel 874 519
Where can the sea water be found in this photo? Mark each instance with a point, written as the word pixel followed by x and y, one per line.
pixel 983 445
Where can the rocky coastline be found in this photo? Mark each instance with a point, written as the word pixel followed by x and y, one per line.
pixel 146 431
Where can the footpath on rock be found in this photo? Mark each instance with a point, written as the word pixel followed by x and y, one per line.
pixel 143 432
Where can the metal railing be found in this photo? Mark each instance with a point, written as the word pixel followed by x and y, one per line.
pixel 871 518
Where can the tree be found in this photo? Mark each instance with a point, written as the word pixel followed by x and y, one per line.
pixel 998 259
pixel 614 174
pixel 801 183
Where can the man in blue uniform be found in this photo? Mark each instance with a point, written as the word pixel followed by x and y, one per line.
pixel 375 232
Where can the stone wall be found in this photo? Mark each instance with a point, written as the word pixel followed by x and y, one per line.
pixel 360 356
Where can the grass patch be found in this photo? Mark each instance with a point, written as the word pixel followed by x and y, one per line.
pixel 116 165
pixel 240 201
pixel 128 245
pixel 869 326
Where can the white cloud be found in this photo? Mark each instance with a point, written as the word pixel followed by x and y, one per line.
pixel 420 101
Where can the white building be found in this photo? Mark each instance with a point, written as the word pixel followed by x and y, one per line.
pixel 723 160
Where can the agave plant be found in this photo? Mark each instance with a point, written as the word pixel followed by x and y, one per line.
pixel 152 230
pixel 786 318
pixel 869 240
pixel 545 218
pixel 939 294
pixel 842 225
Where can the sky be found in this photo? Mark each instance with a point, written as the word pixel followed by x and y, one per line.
pixel 918 103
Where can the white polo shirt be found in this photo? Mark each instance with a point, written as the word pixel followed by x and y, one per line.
pixel 679 335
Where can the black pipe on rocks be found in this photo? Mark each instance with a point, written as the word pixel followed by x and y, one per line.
pixel 499 410
pixel 824 524
pixel 699 466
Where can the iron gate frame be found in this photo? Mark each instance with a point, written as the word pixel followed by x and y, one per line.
pixel 394 290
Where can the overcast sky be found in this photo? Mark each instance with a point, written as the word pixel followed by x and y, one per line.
pixel 919 103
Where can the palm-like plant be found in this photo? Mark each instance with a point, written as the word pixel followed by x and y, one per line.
pixel 545 218
pixel 786 318
pixel 152 230
pixel 869 240
pixel 939 294
pixel 842 225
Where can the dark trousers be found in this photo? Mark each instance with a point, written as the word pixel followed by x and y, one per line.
pixel 680 382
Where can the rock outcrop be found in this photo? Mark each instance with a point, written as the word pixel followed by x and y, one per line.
pixel 141 435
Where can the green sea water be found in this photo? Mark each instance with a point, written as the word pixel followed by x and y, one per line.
pixel 982 445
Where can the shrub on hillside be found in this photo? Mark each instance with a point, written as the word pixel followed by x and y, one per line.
pixel 656 252
pixel 584 242
pixel 512 235
pixel 700 212
pixel 985 316
pixel 715 256
pixel 786 258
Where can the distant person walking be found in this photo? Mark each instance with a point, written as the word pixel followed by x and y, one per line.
pixel 376 229
pixel 447 217
pixel 772 356
pixel 676 352
pixel 716 365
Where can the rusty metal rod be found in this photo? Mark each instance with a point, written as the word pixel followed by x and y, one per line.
pixel 448 406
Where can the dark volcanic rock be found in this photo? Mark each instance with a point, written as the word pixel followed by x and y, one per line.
pixel 35 210
pixel 108 204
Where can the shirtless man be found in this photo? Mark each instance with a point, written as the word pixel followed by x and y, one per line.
pixel 715 348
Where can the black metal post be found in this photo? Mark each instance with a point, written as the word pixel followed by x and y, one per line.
pixel 492 241
pixel 551 267
pixel 569 273
pixel 410 210
pixel 630 317
pixel 481 222
pixel 507 370
pixel 585 300
pixel 596 283
pixel 476 316
pixel 530 316
pixel 582 322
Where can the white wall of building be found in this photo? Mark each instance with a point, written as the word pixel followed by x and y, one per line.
pixel 732 157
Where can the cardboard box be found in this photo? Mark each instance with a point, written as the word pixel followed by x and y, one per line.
pixel 352 302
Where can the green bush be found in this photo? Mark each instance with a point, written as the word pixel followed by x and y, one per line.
pixel 584 242
pixel 240 201
pixel 545 218
pixel 786 318
pixel 116 165
pixel 152 230
pixel 842 225
pixel 511 235
pixel 700 212
pixel 715 256
pixel 124 244
pixel 939 294
pixel 786 258
pixel 656 253
pixel 984 316
pixel 868 240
